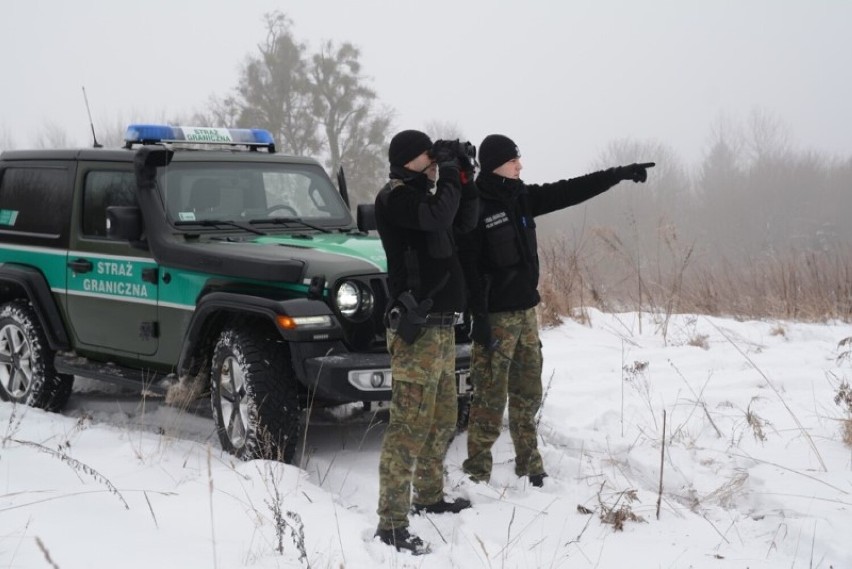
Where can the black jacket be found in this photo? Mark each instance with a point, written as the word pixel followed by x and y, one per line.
pixel 417 231
pixel 500 256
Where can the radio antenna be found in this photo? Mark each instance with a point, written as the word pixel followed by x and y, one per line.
pixel 91 124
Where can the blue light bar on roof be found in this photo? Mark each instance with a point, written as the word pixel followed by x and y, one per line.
pixel 156 133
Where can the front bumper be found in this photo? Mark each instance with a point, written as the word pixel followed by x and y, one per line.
pixel 347 377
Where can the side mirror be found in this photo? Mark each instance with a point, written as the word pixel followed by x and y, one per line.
pixel 366 217
pixel 124 223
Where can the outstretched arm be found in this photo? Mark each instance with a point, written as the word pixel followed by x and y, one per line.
pixel 546 198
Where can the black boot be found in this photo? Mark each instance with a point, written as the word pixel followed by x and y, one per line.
pixel 537 480
pixel 402 540
pixel 442 507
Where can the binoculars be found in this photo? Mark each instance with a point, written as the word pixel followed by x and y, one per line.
pixel 448 149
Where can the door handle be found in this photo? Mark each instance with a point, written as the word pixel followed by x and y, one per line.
pixel 80 265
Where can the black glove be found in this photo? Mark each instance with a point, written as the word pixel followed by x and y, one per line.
pixel 635 172
pixel 466 173
pixel 480 332
pixel 466 161
pixel 469 189
pixel 407 316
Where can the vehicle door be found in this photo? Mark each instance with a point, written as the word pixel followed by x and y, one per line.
pixel 112 285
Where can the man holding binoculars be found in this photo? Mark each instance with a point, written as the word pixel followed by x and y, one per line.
pixel 417 228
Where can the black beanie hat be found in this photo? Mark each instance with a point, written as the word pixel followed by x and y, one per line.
pixel 495 151
pixel 407 145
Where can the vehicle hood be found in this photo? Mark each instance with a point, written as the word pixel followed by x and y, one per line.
pixel 333 253
pixel 293 258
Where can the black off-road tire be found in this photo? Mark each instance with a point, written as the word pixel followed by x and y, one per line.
pixel 254 394
pixel 27 374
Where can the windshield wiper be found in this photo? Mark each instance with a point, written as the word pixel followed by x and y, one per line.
pixel 215 222
pixel 283 220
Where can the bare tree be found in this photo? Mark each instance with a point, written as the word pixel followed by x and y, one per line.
pixel 759 196
pixel 52 135
pixel 312 105
pixel 365 162
pixel 275 92
pixel 339 96
pixel 6 140
pixel 642 206
pixel 354 133
pixel 722 207
pixel 768 136
pixel 220 112
pixel 445 130
pixel 727 133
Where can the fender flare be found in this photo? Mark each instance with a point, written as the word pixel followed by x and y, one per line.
pixel 212 307
pixel 37 291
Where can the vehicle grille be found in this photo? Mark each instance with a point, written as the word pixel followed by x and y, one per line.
pixel 369 335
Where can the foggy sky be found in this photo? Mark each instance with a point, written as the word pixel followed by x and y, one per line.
pixel 562 78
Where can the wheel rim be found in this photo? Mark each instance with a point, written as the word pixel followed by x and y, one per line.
pixel 16 372
pixel 233 402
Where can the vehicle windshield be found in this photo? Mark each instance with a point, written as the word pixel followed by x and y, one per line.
pixel 256 192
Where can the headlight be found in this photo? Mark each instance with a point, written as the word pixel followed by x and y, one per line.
pixel 347 299
pixel 353 300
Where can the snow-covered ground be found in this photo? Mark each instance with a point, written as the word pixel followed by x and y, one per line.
pixel 755 474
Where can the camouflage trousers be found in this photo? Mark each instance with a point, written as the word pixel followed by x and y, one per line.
pixel 423 414
pixel 513 371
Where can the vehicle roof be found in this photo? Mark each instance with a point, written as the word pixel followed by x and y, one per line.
pixel 180 155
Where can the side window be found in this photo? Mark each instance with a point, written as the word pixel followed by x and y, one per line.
pixel 34 200
pixel 101 190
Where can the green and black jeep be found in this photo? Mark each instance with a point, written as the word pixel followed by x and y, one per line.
pixel 192 256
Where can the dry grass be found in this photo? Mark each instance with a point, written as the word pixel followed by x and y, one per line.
pixel 284 521
pixel 778 330
pixel 756 423
pixel 620 511
pixel 700 341
pixel 563 289
pixel 73 463
pixel 607 271
pixel 187 390
pixel 843 398
pixel 43 548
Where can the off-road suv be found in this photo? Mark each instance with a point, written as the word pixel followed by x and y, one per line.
pixel 174 261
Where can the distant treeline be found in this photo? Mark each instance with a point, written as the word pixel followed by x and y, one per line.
pixel 759 229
